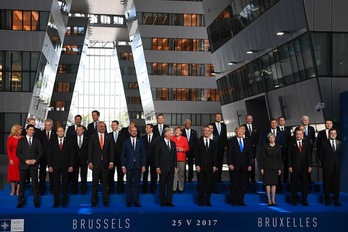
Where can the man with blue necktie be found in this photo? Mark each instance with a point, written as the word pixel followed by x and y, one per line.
pixel 133 162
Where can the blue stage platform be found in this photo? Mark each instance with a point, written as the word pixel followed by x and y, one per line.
pixel 185 216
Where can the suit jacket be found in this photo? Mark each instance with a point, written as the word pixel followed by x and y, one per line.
pixel 118 144
pixel 222 138
pixel 280 137
pixel 25 152
pixel 60 159
pixel 80 152
pixel 311 135
pixel 150 147
pixel 95 152
pixel 156 131
pixel 45 142
pixel 204 158
pixel 71 131
pixel 331 160
pixel 131 157
pixel 240 160
pixel 253 137
pixel 192 141
pixel 165 158
pixel 299 161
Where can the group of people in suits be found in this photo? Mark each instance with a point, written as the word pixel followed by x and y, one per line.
pixel 276 152
pixel 284 154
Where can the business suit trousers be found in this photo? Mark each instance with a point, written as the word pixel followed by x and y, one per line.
pixel 331 181
pixel 120 183
pixel 153 178
pixel 57 185
pixel 204 183
pixel 220 161
pixel 239 183
pixel 179 176
pixel 32 171
pixel 100 173
pixel 166 183
pixel 80 167
pixel 296 178
pixel 133 185
pixel 43 173
pixel 190 161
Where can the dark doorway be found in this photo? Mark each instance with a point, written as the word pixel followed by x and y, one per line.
pixel 258 109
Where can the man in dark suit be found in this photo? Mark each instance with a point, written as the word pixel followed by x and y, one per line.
pixel 80 148
pixel 158 130
pixel 60 161
pixel 133 162
pixel 323 135
pixel 205 159
pixel 220 131
pixel 117 140
pixel 150 140
pixel 309 135
pixel 286 138
pixel 331 161
pixel 46 136
pixel 100 159
pixel 71 131
pixel 29 152
pixel 252 134
pixel 92 128
pixel 300 165
pixel 165 162
pixel 239 159
pixel 215 138
pixel 191 136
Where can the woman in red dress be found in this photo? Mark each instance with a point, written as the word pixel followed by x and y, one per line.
pixel 13 161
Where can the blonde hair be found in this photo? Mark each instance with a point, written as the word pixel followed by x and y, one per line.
pixel 14 129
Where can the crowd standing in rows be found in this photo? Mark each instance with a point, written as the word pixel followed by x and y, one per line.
pixel 163 153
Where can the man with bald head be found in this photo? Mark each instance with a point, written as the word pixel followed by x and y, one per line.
pixel 100 160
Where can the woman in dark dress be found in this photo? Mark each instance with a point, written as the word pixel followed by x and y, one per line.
pixel 271 163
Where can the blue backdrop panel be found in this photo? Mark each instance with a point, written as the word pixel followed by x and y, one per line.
pixel 179 221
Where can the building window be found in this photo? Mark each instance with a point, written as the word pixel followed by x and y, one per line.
pixel 185 94
pixel 234 18
pixel 190 20
pixel 181 69
pixel 288 64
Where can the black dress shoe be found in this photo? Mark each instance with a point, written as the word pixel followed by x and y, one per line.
pixel 200 204
pixel 305 204
pixel 129 204
pixel 274 204
pixel 153 191
pixel 94 205
pixel 106 204
pixel 170 204
pixel 337 204
pixel 55 205
pixel 327 203
pixel 37 205
pixel 64 205
pixel 208 204
pixel 20 206
pixel 136 204
pixel 294 204
pixel 163 204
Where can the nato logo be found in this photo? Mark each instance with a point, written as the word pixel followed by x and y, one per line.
pixel 6 225
pixel 12 225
